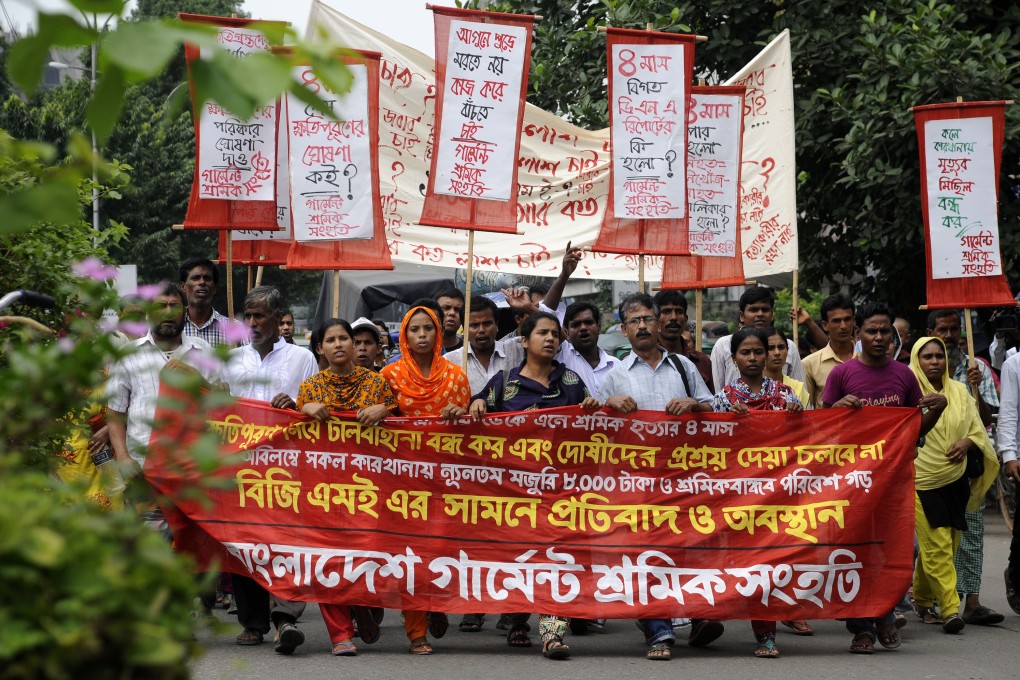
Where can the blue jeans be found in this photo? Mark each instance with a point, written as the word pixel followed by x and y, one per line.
pixel 657 630
pixel 856 626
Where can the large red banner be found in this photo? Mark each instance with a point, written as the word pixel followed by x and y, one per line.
pixel 960 146
pixel 763 516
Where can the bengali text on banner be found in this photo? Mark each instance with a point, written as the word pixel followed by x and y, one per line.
pixel 594 514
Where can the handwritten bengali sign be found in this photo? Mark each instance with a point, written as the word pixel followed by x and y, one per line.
pixel 284 233
pixel 237 158
pixel 963 221
pixel 649 88
pixel 481 104
pixel 713 172
pixel 593 513
pixel 331 161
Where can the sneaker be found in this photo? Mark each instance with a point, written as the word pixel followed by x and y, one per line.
pixel 1012 597
pixel 288 638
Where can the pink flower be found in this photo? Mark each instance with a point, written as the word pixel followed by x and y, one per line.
pixel 93 268
pixel 149 291
pixel 65 345
pixel 205 363
pixel 235 332
pixel 133 329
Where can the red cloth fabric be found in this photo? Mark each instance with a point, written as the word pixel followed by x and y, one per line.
pixel 441 210
pixel 971 291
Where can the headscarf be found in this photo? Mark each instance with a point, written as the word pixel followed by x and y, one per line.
pixel 773 396
pixel 418 395
pixel 960 420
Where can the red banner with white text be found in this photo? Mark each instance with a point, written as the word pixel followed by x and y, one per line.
pixel 482 65
pixel 961 153
pixel 234 185
pixel 649 77
pixel 764 516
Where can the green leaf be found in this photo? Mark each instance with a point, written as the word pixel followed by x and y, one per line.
pixel 141 49
pixel 106 102
pixel 29 56
pixel 54 203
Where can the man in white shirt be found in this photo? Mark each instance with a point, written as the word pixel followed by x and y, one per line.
pixel 271 370
pixel 756 309
pixel 581 352
pixel 1007 439
pixel 486 355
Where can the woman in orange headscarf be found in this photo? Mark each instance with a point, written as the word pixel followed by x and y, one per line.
pixel 425 384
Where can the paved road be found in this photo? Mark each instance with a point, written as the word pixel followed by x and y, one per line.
pixel 979 653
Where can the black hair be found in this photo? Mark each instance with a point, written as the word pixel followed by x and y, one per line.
pixel 529 324
pixel 191 263
pixel 480 303
pixel 171 288
pixel 757 294
pixel 936 314
pixel 538 289
pixel 870 309
pixel 772 330
pixel 451 292
pixel 575 308
pixel 367 328
pixel 319 334
pixel 836 301
pixel 286 311
pixel 670 297
pixel 634 300
pixel 748 332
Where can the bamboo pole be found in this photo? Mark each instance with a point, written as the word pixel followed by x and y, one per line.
pixel 230 275
pixel 971 362
pixel 258 275
pixel 796 299
pixel 336 293
pixel 641 273
pixel 250 286
pixel 467 296
pixel 699 312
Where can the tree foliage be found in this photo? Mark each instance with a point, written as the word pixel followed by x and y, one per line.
pixel 856 74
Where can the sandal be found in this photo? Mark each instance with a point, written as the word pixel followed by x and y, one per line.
pixel 553 648
pixel 799 627
pixel 249 637
pixel 367 627
pixel 471 623
pixel 659 652
pixel 345 648
pixel 439 623
pixel 288 638
pixel 422 648
pixel 518 636
pixel 927 614
pixel 901 620
pixel 766 648
pixel 888 635
pixel 983 616
pixel 1012 597
pixel 863 643
pixel 953 624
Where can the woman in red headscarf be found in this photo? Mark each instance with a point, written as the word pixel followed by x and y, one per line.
pixel 425 384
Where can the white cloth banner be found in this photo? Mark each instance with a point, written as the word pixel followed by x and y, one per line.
pixel 563 172
pixel 484 66
pixel 713 173
pixel 237 158
pixel 331 162
pixel 962 209
pixel 285 233
pixel 768 180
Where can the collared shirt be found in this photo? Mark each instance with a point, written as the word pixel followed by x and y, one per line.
pixel 283 370
pixel 134 384
pixel 724 371
pixel 653 388
pixel 986 388
pixel 593 377
pixel 817 368
pixel 478 375
pixel 1009 409
pixel 211 331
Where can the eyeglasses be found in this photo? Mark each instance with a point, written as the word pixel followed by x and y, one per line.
pixel 638 320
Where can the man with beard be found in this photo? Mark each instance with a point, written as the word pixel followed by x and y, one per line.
pixel 671 313
pixel 367 346
pixel 756 309
pixel 451 302
pixel 199 279
pixel 838 322
pixel 486 355
pixel 134 382
pixel 268 370
pixel 650 378
pixel 945 324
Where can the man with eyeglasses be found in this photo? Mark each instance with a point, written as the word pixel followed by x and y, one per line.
pixel 837 313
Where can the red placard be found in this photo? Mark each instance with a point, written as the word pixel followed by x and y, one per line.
pixel 970 291
pixel 769 515
pixel 460 211
pixel 643 235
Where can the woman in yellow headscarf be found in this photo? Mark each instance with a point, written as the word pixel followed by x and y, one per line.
pixel 954 468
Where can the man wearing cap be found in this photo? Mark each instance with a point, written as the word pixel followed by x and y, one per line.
pixel 367 345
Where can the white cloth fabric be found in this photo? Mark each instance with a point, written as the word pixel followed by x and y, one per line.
pixel 653 388
pixel 724 371
pixel 133 386
pixel 592 377
pixel 1009 409
pixel 503 359
pixel 283 370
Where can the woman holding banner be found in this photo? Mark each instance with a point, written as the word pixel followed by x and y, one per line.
pixel 344 386
pixel 755 391
pixel 425 384
pixel 540 382
pixel 954 468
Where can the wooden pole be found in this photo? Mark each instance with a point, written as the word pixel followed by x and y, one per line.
pixel 698 313
pixel 336 293
pixel 641 273
pixel 258 275
pixel 971 361
pixel 250 283
pixel 467 296
pixel 796 300
pixel 230 275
